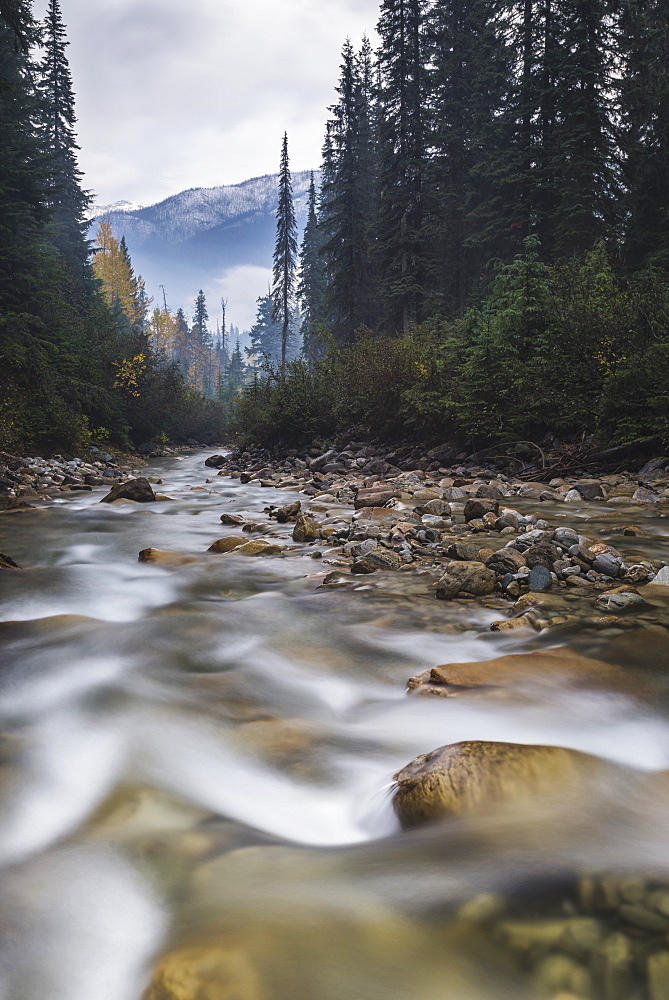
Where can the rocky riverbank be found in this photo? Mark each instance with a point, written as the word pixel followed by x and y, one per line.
pixel 461 523
pixel 25 478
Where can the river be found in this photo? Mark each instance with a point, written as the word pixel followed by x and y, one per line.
pixel 197 768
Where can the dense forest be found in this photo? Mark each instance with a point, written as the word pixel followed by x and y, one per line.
pixel 78 356
pixel 488 254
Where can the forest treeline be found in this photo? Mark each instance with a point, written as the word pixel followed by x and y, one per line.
pixel 77 363
pixel 488 253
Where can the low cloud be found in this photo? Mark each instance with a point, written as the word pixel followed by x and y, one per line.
pixel 171 96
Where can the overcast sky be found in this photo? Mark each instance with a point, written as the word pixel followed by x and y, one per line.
pixel 172 95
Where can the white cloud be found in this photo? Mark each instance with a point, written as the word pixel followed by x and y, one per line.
pixel 171 96
pixel 240 287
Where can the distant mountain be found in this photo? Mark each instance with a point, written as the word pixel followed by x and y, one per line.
pixel 219 239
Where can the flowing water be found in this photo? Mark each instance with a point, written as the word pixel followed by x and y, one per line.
pixel 196 766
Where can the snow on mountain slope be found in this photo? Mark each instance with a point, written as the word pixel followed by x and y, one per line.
pixel 209 238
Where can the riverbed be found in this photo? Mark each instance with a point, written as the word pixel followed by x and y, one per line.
pixel 197 766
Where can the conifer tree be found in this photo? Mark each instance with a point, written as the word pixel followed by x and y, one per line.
pixel 23 177
pixel 285 251
pixel 585 176
pixel 401 247
pixel 66 199
pixel 311 287
pixel 266 334
pixel 643 33
pixel 200 368
pixel 347 201
pixel 466 83
pixel 182 342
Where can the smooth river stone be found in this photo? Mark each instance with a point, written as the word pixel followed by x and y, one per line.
pixel 464 777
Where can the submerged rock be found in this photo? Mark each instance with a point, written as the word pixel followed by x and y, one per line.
pixel 163 557
pixel 258 547
pixel 227 543
pixel 139 490
pixel 462 777
pixel 232 519
pixel 522 670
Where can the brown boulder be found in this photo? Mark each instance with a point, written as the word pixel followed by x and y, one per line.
pixel 553 667
pixel 258 547
pixel 306 529
pixel 6 562
pixel 541 554
pixel 477 509
pixel 163 557
pixel 379 558
pixel 465 777
pixel 227 544
pixel 505 561
pixel 232 519
pixel 288 513
pixel 138 490
pixel 374 498
pixel 466 577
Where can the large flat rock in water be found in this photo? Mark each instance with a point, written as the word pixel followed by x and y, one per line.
pixel 554 668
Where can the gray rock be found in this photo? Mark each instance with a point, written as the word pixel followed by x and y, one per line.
pixel 438 507
pixel 662 578
pixel 454 493
pixel 573 496
pixel 316 464
pixel 529 538
pixel 488 492
pixel 466 577
pixel 462 552
pixel 565 537
pixel 607 563
pixel 138 490
pixel 621 602
pixel 590 489
pixel 540 579
pixel 475 509
pixel 644 495
pixel 541 554
pixel 505 561
pixel 377 558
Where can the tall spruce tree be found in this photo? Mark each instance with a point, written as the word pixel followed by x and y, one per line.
pixel 66 199
pixel 466 83
pixel 285 251
pixel 402 158
pixel 266 334
pixel 347 202
pixel 311 286
pixel 585 176
pixel 643 43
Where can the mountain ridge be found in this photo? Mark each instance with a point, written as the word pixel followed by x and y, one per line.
pixel 220 239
